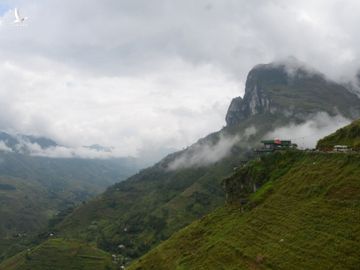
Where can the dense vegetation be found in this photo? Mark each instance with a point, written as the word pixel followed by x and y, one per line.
pixel 34 190
pixel 305 216
pixel 150 206
pixel 142 211
pixel 61 254
pixel 349 136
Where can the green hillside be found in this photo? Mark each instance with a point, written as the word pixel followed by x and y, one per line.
pixel 152 205
pixel 305 216
pixel 25 209
pixel 159 201
pixel 60 254
pixel 349 135
pixel 143 210
pixel 34 190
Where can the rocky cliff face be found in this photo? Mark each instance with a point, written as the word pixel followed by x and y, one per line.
pixel 291 91
pixel 256 99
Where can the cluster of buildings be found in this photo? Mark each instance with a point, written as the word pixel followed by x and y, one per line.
pixel 278 144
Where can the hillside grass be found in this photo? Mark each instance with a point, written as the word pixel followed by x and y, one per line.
pixel 148 208
pixel 60 254
pixel 37 190
pixel 155 203
pixel 349 136
pixel 306 217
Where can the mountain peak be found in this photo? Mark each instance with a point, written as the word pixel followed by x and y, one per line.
pixel 291 88
pixel 100 148
pixel 19 143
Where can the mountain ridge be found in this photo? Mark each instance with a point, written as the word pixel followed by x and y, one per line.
pixel 159 201
pixel 15 142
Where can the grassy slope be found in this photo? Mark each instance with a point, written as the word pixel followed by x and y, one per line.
pixel 33 189
pixel 151 206
pixel 24 208
pixel 349 135
pixel 305 217
pixel 156 203
pixel 59 254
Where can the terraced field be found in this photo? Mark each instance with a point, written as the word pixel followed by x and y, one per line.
pixel 60 254
pixel 308 218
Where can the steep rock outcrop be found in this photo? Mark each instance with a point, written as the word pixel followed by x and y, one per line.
pixel 295 92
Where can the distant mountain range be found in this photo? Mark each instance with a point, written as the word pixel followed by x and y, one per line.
pixel 99 148
pixel 18 143
pixel 33 145
pixel 36 189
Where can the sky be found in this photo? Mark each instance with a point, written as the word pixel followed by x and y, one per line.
pixel 148 77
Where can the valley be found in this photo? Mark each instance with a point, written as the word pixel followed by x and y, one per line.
pixel 37 190
pixel 179 135
pixel 171 215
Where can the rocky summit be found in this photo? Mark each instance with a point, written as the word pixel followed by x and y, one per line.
pixel 292 91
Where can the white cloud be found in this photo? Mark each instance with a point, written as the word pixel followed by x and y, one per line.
pixel 249 131
pixel 67 152
pixel 134 73
pixel 202 154
pixel 125 112
pixel 4 147
pixel 308 133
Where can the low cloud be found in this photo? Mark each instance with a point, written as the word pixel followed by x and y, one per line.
pixel 66 152
pixel 26 147
pixel 308 133
pixel 206 153
pixel 4 147
pixel 202 154
pixel 128 113
pixel 292 65
pixel 249 132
